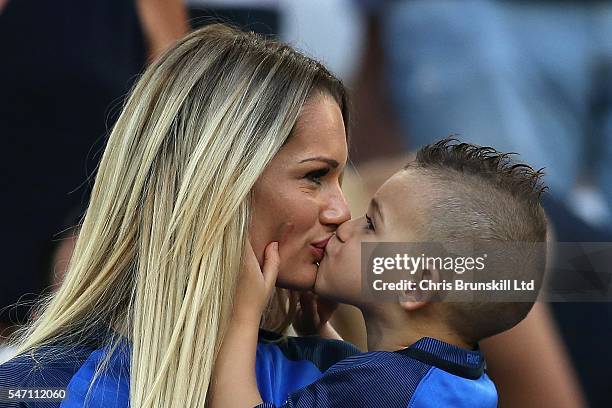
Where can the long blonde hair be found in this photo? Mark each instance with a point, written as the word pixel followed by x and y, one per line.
pixel 161 242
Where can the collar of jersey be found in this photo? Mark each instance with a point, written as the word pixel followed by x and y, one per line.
pixel 455 360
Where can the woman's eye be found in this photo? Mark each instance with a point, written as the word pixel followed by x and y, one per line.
pixel 370 225
pixel 315 176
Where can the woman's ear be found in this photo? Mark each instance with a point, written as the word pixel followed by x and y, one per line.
pixel 426 288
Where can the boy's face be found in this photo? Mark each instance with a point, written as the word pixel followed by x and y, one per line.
pixel 396 214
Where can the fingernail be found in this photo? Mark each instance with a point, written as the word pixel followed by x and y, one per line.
pixel 275 246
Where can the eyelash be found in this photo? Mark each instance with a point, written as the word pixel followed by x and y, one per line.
pixel 370 223
pixel 315 176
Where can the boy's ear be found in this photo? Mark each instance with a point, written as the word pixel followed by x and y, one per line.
pixel 411 300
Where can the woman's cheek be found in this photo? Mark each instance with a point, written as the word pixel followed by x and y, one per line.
pixel 295 228
pixel 297 269
pixel 283 233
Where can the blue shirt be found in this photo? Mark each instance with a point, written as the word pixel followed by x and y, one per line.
pixel 283 365
pixel 430 374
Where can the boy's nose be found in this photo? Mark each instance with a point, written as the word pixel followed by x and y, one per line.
pixel 344 231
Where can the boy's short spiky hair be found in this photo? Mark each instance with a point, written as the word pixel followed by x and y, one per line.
pixel 479 193
pixel 517 178
pixel 492 182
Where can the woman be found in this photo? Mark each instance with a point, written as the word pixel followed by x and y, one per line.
pixel 227 134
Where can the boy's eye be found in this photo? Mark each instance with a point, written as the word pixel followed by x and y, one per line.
pixel 315 176
pixel 370 224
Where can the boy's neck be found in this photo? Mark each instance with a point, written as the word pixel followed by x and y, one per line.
pixel 392 332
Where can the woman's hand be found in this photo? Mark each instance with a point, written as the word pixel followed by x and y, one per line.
pixel 255 284
pixel 313 316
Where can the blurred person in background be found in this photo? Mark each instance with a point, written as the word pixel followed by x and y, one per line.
pixel 533 77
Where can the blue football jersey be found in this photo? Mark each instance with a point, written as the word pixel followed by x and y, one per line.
pixel 283 364
pixel 428 374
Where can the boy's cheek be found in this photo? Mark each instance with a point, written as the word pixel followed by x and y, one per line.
pixel 349 264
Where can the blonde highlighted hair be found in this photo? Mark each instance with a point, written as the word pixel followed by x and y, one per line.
pixel 161 242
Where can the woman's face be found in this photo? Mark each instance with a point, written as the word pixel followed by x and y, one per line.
pixel 297 200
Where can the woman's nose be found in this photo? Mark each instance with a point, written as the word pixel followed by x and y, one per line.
pixel 336 211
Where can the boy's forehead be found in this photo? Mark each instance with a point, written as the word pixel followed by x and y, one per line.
pixel 401 183
pixel 404 197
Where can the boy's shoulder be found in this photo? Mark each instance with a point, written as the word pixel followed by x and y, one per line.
pixel 428 373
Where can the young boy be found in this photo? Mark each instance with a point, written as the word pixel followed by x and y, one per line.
pixel 423 352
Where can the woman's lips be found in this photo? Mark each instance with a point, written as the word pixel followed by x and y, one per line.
pixel 318 252
pixel 318 248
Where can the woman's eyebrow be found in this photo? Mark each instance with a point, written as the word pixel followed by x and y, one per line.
pixel 333 163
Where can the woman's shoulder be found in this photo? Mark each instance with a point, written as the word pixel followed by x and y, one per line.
pixel 46 367
pixel 72 368
pixel 103 379
pixel 323 353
